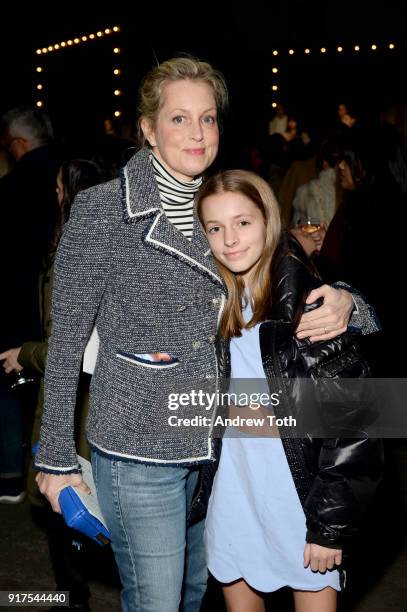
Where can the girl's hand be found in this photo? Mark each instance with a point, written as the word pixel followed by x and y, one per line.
pixel 330 319
pixel 321 558
pixel 10 363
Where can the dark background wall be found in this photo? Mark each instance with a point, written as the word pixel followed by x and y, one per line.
pixel 79 83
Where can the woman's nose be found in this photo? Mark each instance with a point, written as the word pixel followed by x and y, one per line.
pixel 196 131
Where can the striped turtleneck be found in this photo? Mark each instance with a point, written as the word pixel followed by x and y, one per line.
pixel 177 198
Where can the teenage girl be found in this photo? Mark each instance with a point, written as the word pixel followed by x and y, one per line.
pixel 280 510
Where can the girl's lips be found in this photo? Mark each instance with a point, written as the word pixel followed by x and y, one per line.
pixel 235 254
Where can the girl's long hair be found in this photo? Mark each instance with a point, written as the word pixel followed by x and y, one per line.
pixel 260 193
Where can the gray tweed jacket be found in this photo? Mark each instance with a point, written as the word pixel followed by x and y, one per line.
pixel 123 266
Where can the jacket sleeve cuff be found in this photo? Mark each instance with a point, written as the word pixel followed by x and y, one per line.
pixel 58 471
pixel 316 538
pixel 363 319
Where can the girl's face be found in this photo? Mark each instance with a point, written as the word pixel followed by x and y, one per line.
pixel 60 188
pixel 236 231
pixel 185 136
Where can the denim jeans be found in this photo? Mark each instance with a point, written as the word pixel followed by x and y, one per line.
pixel 160 560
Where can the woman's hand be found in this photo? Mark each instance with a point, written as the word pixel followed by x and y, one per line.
pixel 51 485
pixel 10 363
pixel 321 558
pixel 329 320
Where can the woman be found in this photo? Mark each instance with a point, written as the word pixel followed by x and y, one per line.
pixel 135 262
pixel 281 510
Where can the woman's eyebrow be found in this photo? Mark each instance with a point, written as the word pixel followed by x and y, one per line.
pixel 184 110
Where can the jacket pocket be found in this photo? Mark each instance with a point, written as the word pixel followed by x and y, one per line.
pixel 146 363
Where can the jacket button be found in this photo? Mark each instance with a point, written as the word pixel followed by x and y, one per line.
pixel 212 339
pixel 209 376
pixel 216 301
pixel 181 307
pixel 196 344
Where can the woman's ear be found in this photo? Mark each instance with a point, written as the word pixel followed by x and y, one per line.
pixel 148 131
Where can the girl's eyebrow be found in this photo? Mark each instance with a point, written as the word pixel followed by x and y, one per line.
pixel 234 217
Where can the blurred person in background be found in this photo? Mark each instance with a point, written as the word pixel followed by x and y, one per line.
pixel 28 214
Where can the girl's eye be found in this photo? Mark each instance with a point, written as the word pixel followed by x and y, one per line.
pixel 178 119
pixel 209 119
pixel 244 223
pixel 213 230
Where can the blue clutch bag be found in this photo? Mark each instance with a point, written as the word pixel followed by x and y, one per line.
pixel 81 511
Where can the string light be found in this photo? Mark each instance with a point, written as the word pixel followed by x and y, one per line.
pixel 323 50
pixel 339 49
pixel 275 70
pixel 307 51
pixel 40 103
pixel 356 48
pixel 274 87
pixel 291 52
pixel 117 92
pixel 117 113
pixel 77 40
pixel 116 50
pixel 39 86
pixel 117 71
pixel 274 104
pixel 275 52
pixel 38 69
pixel 391 46
pixel 373 47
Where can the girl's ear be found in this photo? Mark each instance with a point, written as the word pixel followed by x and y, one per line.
pixel 148 131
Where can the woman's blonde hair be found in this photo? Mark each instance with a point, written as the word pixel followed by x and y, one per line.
pixel 176 69
pixel 261 194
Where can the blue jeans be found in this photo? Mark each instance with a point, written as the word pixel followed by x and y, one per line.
pixel 160 560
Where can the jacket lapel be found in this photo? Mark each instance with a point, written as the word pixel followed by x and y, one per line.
pixel 140 199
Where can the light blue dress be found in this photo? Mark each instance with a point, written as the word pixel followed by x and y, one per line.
pixel 255 528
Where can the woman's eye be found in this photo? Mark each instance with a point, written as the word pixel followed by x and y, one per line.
pixel 209 119
pixel 178 119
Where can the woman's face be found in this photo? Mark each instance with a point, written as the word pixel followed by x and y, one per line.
pixel 345 176
pixel 60 188
pixel 236 231
pixel 185 136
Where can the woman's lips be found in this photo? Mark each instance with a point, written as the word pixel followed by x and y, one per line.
pixel 196 151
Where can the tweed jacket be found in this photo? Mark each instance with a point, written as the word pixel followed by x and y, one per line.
pixel 121 265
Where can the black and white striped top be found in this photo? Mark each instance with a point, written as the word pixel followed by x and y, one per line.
pixel 177 198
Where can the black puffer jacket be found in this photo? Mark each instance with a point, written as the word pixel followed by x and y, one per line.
pixel 335 478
